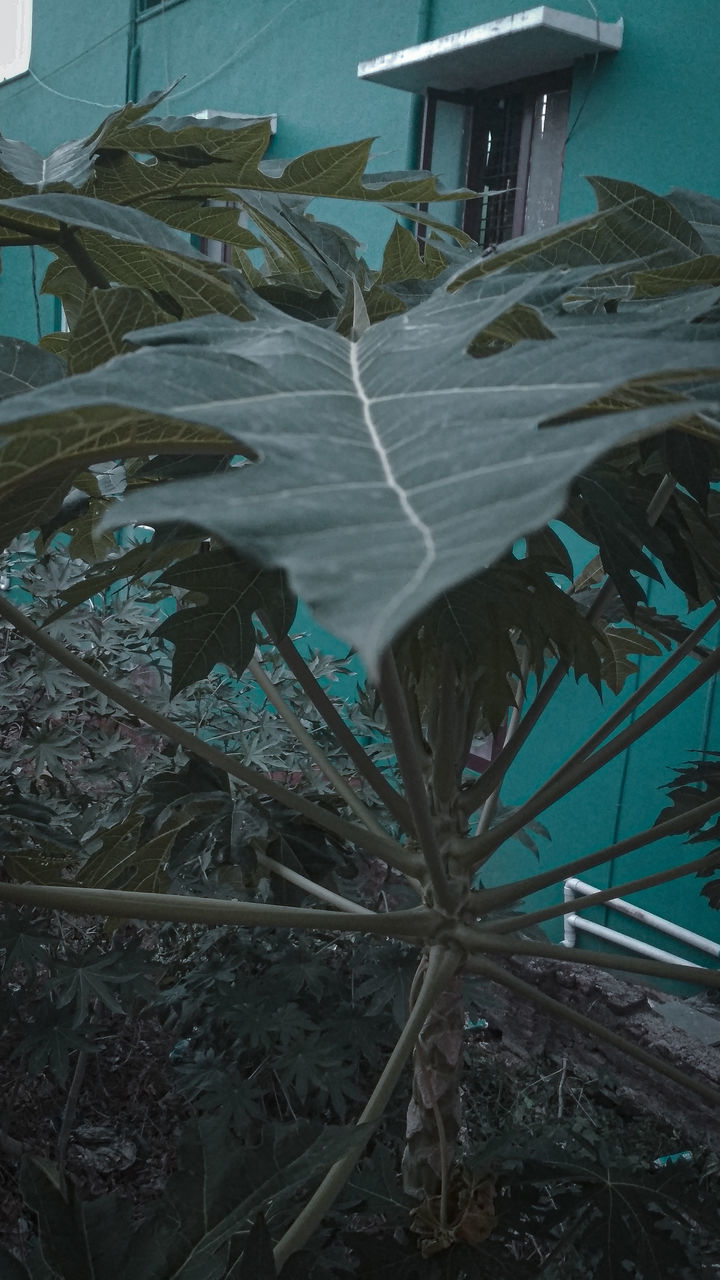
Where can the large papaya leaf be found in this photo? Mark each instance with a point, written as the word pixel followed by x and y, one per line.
pixel 217 1192
pixel 632 226
pixel 703 212
pixel 78 1240
pixel 56 210
pixel 63 280
pixel 202 159
pixel 70 164
pixel 336 172
pixel 200 219
pixel 104 318
pixel 23 366
pixel 393 467
pixel 183 288
pixel 704 270
pixel 38 464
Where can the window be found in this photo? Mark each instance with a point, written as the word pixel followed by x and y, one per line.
pixel 15 36
pixel 496 100
pixel 507 143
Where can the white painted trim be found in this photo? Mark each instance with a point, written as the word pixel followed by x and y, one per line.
pixel 531 42
pixel 207 114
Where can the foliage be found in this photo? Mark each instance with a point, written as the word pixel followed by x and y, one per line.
pixel 194 1230
pixel 390 446
pixel 563 1187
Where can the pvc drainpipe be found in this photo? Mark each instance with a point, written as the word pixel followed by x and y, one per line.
pixel 687 936
pixel 422 33
pixel 574 922
pixel 132 63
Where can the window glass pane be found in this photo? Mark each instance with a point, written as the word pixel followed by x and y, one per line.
pixel 15 36
pixel 547 150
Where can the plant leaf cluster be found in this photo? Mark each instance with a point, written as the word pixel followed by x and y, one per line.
pixel 391 446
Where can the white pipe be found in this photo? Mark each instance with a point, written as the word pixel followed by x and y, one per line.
pixel 575 922
pixel 574 887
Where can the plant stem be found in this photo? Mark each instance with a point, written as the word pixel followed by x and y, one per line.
pixel 568 778
pixel 478 792
pixel 36 235
pixel 71 1106
pixel 418 923
pixel 442 733
pixel 344 790
pixel 310 886
pixel 381 847
pixel 490 805
pixel 393 801
pixel 417 797
pixel 486 900
pixel 476 942
pixel 441 966
pixel 514 923
pixel 558 1010
pixel 71 244
pixel 621 713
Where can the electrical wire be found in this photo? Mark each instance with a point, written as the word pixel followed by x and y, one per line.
pixel 593 71
pixel 55 70
pixel 182 93
pixel 239 48
pixel 69 97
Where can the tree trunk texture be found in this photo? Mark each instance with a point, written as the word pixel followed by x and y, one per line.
pixel 434 1113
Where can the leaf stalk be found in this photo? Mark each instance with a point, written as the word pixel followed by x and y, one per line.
pixel 441 965
pixel 415 790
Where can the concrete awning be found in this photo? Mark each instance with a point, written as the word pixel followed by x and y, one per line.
pixel 529 43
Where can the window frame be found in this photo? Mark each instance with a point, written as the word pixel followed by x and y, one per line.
pixel 478 103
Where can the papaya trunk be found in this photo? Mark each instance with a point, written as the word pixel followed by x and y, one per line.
pixel 434 1112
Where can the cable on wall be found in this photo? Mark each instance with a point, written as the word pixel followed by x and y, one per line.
pixel 69 97
pixel 593 72
pixel 183 93
pixel 63 65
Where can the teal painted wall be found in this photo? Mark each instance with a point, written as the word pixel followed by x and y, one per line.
pixel 648 114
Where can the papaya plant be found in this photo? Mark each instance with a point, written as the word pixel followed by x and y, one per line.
pixel 409 450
